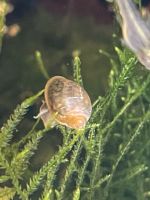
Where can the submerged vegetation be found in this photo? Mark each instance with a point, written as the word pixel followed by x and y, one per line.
pixel 107 160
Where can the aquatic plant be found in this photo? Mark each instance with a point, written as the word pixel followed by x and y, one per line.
pixel 108 159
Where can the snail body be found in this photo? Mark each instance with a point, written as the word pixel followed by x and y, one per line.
pixel 66 103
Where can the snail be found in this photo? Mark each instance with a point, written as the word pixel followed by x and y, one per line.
pixel 66 103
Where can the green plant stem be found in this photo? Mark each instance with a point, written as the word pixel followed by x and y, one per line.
pixel 9 171
pixel 126 148
pixel 77 71
pixel 27 136
pixel 125 107
pixel 111 124
pixel 6 131
pixel 97 162
pixel 122 79
pixel 52 165
pixel 41 64
pixel 80 134
pixel 70 168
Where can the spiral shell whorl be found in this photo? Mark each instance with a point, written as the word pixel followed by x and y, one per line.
pixel 69 100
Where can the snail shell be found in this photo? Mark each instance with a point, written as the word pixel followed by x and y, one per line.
pixel 66 103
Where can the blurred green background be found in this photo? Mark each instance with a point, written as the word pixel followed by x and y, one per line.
pixel 57 29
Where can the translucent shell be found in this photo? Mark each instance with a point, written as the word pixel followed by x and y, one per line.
pixel 66 103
